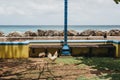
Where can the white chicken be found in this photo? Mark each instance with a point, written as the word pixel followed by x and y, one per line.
pixel 54 57
pixel 42 55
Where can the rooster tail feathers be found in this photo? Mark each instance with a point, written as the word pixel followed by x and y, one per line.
pixel 53 57
pixel 56 53
pixel 49 55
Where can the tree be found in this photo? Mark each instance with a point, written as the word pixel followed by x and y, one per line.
pixel 117 1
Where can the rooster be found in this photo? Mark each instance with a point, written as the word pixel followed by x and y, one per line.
pixel 54 57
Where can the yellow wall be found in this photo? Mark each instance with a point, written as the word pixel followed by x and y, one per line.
pixel 23 51
pixel 79 51
pixel 100 51
pixel 14 51
pixel 117 50
pixel 82 51
pixel 118 54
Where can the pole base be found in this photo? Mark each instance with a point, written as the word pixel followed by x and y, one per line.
pixel 65 50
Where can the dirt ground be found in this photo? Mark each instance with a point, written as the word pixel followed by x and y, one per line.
pixel 43 69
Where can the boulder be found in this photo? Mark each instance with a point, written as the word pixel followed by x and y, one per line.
pixel 61 33
pixel 114 32
pixel 1 34
pixel 72 33
pixel 56 33
pixel 30 33
pixel 99 33
pixel 41 32
pixel 49 33
pixel 15 34
pixel 87 33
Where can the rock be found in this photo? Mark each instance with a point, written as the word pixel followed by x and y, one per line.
pixel 114 32
pixel 99 33
pixel 92 33
pixel 73 33
pixel 61 33
pixel 70 33
pixel 87 33
pixel 1 34
pixel 41 32
pixel 14 34
pixel 56 33
pixel 49 33
pixel 30 33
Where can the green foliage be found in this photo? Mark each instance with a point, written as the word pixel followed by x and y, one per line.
pixel 103 63
pixel 108 67
pixel 82 78
pixel 117 1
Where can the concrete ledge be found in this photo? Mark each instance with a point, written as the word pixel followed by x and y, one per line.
pixel 78 47
pixel 116 42
pixel 59 41
pixel 21 49
pixel 14 43
pixel 70 41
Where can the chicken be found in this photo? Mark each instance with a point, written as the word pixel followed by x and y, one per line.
pixel 54 57
pixel 41 55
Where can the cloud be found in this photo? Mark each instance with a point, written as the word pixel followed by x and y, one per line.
pixel 52 12
pixel 29 7
pixel 94 12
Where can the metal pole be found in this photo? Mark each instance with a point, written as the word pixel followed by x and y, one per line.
pixel 65 49
pixel 65 21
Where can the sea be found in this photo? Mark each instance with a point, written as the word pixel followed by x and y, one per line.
pixel 22 28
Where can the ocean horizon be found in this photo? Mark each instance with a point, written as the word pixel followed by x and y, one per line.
pixel 22 28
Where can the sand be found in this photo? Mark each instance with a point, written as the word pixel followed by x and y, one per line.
pixel 4 39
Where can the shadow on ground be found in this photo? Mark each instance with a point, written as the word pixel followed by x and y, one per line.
pixel 12 69
pixel 106 68
pixel 21 69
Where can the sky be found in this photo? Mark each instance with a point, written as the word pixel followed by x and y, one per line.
pixel 51 12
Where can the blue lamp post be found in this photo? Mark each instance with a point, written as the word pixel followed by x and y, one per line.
pixel 65 49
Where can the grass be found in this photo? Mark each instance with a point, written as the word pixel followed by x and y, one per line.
pixel 83 78
pixel 109 68
pixel 103 63
pixel 69 60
